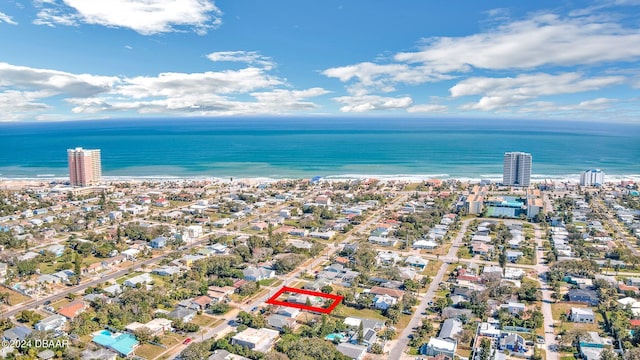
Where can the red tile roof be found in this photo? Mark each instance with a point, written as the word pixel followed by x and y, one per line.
pixel 72 309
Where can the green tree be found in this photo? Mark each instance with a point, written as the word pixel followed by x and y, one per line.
pixel 608 354
pixel 196 351
pixel 143 334
pixel 485 347
pixel 77 268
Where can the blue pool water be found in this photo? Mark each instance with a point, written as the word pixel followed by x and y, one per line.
pixel 122 343
pixel 334 337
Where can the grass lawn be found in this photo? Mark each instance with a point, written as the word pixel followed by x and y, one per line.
pixel 48 267
pixel 121 280
pixel 148 351
pixel 567 357
pixel 466 353
pixel 563 308
pixel 203 320
pixel 345 311
pixel 267 282
pixel 15 297
pixel 464 253
pixel 171 340
pixel 60 303
pixel 432 268
pixel 412 351
pixel 403 322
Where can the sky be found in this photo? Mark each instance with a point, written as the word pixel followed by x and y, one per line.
pixel 96 59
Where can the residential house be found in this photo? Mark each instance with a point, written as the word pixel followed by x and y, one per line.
pixel 202 302
pixel 582 315
pixel 450 330
pixel 513 255
pixel 299 232
pixel 377 290
pixel 17 333
pixel 384 301
pixel 280 322
pixel 288 311
pixel 515 307
pixel 53 322
pixel 425 244
pixel 324 235
pixel 489 330
pixel 225 355
pixel 437 346
pixel 257 274
pixel 167 270
pixel 72 309
pixel 57 250
pixel 222 222
pixel 383 241
pixel 183 314
pixel 220 294
pixel 387 258
pixel 143 278
pixel 256 339
pixel 513 342
pixel 584 296
pixel 46 354
pixel 64 275
pixel 113 290
pixel 159 242
pixel 354 322
pixel 352 351
pixel 416 261
pixel 219 249
pixel 98 354
pixel 593 340
pixel 131 254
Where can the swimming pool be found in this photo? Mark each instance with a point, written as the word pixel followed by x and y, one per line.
pixel 122 343
pixel 334 337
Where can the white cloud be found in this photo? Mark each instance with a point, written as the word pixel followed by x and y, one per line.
pixel 249 57
pixel 372 102
pixel 272 102
pixel 526 44
pixel 147 17
pixel 174 85
pixel 25 91
pixel 281 96
pixel 512 91
pixel 381 77
pixel 17 105
pixel 427 108
pixel 53 81
pixel 4 18
pixel 599 104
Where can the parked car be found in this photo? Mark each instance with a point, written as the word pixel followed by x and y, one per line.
pixel 186 341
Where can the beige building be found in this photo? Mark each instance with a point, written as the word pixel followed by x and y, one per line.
pixel 85 167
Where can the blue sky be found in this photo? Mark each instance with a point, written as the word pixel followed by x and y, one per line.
pixel 89 59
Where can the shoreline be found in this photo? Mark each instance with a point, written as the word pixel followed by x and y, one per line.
pixel 410 178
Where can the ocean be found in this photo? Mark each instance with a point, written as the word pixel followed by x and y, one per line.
pixel 328 147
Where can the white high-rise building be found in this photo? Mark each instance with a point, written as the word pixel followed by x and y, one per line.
pixel 592 177
pixel 517 169
pixel 85 167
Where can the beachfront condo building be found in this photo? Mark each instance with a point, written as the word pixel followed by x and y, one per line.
pixel 517 169
pixel 85 168
pixel 592 177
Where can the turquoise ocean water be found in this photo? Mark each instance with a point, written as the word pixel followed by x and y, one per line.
pixel 333 147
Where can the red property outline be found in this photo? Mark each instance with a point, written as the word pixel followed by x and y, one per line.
pixel 336 300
